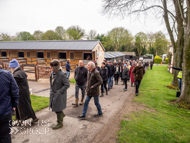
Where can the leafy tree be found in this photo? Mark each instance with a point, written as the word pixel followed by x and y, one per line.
pixel 120 37
pixel 5 37
pixel 38 34
pixel 75 33
pixel 51 35
pixel 161 43
pixel 24 36
pixel 106 42
pixel 60 32
pixel 140 42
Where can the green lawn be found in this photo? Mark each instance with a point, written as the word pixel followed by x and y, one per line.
pixel 167 124
pixel 38 103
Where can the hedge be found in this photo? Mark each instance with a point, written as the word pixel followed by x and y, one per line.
pixel 157 60
pixel 166 61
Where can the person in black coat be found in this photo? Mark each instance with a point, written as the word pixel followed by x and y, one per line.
pixel 125 76
pixel 112 69
pixel 24 109
pixel 81 78
pixel 104 75
pixel 97 67
pixel 109 74
pixel 117 73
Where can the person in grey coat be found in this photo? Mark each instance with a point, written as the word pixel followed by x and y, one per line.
pixel 59 83
pixel 125 76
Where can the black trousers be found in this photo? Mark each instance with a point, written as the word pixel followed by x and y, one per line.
pixel 151 67
pixel 125 82
pixel 5 124
pixel 121 76
pixel 104 85
pixel 116 76
pixel 137 83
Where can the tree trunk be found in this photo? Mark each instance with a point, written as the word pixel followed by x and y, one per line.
pixel 185 91
pixel 166 19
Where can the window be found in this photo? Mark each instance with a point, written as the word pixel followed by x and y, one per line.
pixel 21 54
pixel 71 55
pixel 28 54
pixel 62 56
pixel 87 56
pixel 48 55
pixel 3 54
pixel 40 55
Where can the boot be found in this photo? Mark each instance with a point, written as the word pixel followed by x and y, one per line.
pixel 106 92
pixel 101 95
pixel 82 101
pixel 76 102
pixel 60 116
pixel 131 84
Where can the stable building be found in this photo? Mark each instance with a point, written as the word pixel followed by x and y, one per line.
pixel 114 56
pixel 87 50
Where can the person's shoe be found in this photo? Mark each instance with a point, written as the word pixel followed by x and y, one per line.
pixel 108 89
pixel 98 115
pixel 131 84
pixel 35 120
pixel 57 126
pixel 76 102
pixel 106 92
pixel 125 89
pixel 137 94
pixel 81 116
pixel 101 95
pixel 82 101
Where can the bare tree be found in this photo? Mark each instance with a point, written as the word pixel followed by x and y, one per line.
pixel 91 35
pixel 176 17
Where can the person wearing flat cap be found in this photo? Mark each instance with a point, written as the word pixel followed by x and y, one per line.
pixel 24 109
pixel 59 83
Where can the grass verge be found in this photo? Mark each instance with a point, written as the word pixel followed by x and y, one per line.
pixel 168 124
pixel 72 81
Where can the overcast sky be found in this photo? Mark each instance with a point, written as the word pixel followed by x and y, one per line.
pixel 31 15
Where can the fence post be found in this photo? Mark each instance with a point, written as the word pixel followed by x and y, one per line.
pixel 36 78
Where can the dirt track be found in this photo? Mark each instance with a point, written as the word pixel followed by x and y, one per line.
pixel 91 130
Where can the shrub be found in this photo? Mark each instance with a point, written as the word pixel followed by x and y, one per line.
pixel 166 61
pixel 157 60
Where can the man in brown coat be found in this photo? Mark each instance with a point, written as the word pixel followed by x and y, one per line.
pixel 138 75
pixel 94 80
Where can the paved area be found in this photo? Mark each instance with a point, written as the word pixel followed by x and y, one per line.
pixel 74 130
pixel 45 84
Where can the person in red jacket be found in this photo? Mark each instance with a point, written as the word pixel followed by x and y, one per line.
pixel 131 74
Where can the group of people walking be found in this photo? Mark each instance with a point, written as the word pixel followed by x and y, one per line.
pixel 14 91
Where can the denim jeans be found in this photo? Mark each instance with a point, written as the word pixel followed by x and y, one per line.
pixel 111 81
pixel 82 87
pixel 96 102
pixel 68 74
pixel 179 83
